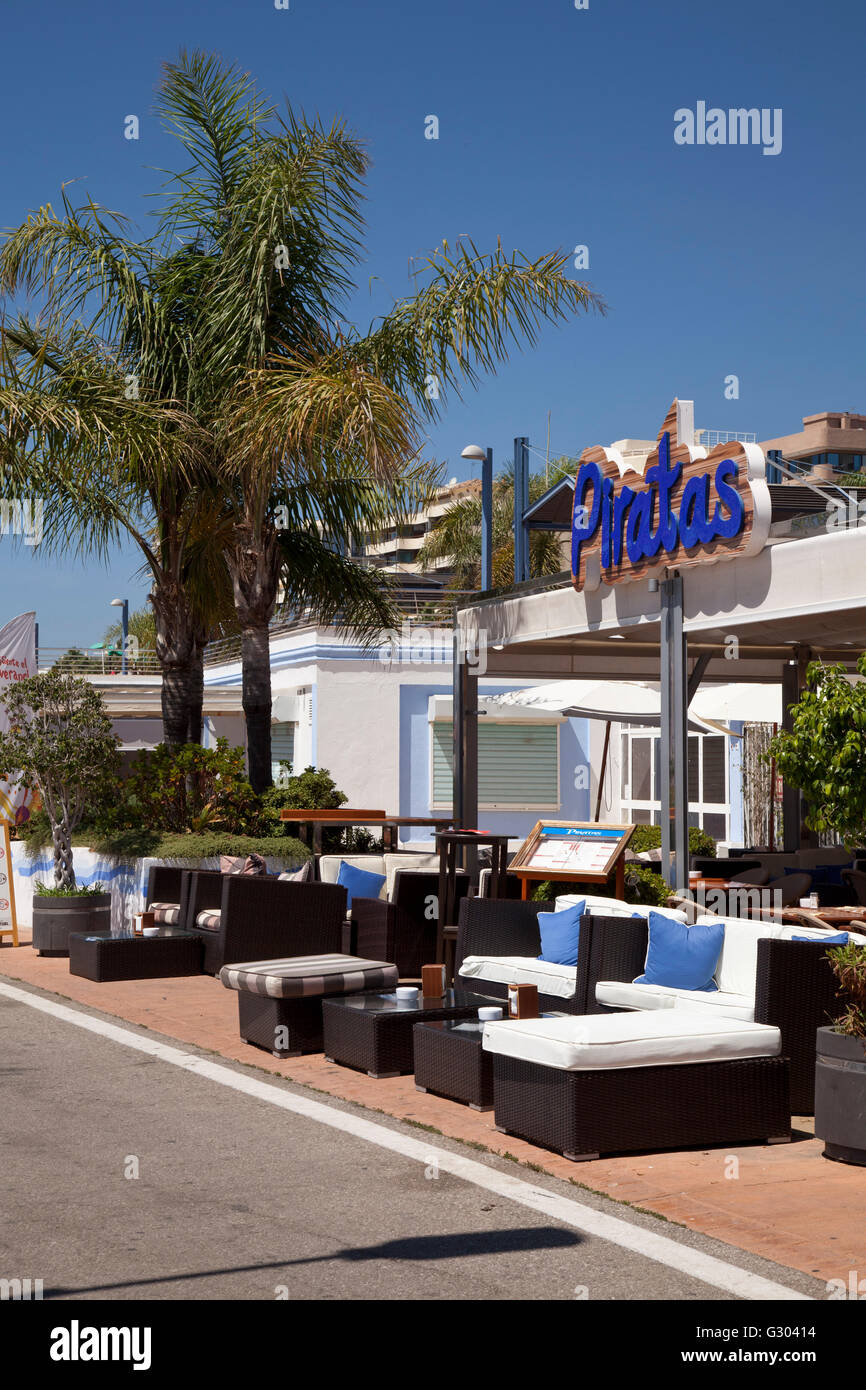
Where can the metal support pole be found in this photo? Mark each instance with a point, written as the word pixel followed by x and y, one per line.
pixel 521 506
pixel 795 834
pixel 465 721
pixel 487 522
pixel 674 737
pixel 124 637
pixel 457 726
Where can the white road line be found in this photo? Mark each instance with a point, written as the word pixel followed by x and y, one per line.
pixel 694 1263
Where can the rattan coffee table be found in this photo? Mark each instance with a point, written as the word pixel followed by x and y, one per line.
pixel 451 1062
pixel 104 956
pixel 373 1032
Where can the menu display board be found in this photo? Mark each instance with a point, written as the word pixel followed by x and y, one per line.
pixel 569 849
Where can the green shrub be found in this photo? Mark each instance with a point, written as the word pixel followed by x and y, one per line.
pixel 648 837
pixel 191 788
pixel 849 966
pixel 314 789
pixel 207 846
pixel 41 891
pixel 641 886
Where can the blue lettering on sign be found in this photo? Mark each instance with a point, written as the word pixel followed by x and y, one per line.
pixel 645 522
pixel 582 832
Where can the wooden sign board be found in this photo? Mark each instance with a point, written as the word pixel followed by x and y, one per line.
pixel 8 918
pixel 684 507
pixel 574 851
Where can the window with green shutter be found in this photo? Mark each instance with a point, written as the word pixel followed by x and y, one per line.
pixel 282 749
pixel 518 765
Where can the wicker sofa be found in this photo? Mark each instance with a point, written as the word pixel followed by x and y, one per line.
pixel 781 982
pixel 501 932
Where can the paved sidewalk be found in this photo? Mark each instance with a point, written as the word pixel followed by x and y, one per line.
pixel 788 1204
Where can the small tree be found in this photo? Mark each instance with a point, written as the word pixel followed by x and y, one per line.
pixel 824 753
pixel 60 742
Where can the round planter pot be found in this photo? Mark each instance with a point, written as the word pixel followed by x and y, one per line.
pixel 55 918
pixel 840 1096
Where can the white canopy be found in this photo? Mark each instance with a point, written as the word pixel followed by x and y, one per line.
pixel 639 702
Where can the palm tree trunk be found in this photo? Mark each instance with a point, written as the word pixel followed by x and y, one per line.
pixel 256 663
pixel 254 566
pixel 196 693
pixel 180 659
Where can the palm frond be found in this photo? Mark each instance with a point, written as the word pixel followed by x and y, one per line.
pixel 464 322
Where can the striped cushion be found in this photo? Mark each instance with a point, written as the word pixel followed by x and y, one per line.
pixel 304 976
pixel 165 914
pixel 210 920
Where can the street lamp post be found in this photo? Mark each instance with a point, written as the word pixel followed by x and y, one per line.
pixel 485 458
pixel 124 629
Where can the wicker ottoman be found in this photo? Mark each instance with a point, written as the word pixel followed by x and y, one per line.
pixel 280 1001
pixel 451 1062
pixel 639 1081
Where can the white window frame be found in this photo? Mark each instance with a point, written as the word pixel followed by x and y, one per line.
pixel 713 808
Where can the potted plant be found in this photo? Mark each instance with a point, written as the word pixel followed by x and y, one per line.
pixel 840 1076
pixel 60 742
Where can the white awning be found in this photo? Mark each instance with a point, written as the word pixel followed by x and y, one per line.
pixel 622 702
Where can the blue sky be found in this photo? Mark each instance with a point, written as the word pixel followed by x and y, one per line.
pixel 555 130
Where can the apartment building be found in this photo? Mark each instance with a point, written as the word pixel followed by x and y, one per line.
pixel 396 548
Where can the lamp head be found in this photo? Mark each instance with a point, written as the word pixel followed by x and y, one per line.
pixel 474 452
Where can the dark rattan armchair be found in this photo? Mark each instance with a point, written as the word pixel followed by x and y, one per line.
pixel 263 918
pixel 168 886
pixel 403 930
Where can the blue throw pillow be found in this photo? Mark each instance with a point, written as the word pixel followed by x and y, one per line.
pixel 359 883
pixel 837 938
pixel 560 932
pixel 680 956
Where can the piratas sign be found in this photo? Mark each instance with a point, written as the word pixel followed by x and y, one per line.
pixel 684 506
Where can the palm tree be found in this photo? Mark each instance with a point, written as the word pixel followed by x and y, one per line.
pixel 456 540
pixel 230 323
pixel 274 203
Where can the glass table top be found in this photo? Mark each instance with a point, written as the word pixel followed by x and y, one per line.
pixel 388 1003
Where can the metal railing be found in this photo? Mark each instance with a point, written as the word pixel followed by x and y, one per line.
pixel 79 661
pixel 414 607
pixel 710 438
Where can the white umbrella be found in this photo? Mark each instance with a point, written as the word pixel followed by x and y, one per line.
pixel 623 702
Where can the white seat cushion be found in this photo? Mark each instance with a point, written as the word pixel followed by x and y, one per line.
pixel 618 994
pixel 560 980
pixel 666 1037
pixel 614 907
pixel 418 863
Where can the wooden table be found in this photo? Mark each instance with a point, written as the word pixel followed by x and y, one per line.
pixel 345 817
pixel 830 916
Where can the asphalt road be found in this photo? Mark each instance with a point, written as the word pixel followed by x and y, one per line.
pixel 234 1198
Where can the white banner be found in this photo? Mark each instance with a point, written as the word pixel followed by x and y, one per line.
pixel 17 662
